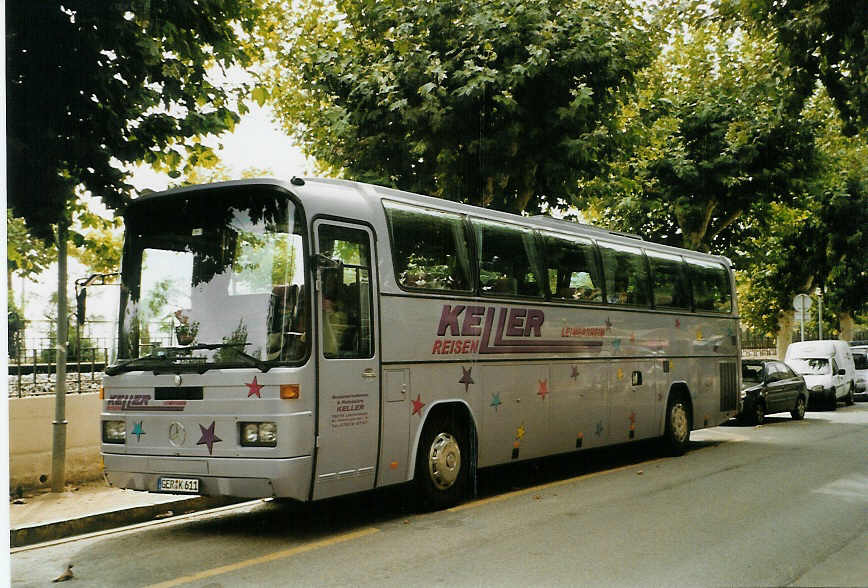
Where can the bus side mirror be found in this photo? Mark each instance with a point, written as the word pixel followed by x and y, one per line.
pixel 320 261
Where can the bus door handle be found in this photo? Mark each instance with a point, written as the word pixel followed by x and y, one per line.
pixel 369 374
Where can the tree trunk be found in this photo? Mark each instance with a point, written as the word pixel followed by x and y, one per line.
pixel 848 325
pixel 784 333
pixel 58 448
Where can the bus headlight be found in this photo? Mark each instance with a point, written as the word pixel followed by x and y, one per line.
pixel 258 434
pixel 114 431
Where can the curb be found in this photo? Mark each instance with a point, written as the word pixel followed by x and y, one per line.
pixel 51 531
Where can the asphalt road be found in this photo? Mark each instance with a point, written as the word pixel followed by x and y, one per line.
pixel 781 504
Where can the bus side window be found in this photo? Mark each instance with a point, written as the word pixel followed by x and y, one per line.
pixel 429 248
pixel 669 281
pixel 573 274
pixel 711 286
pixel 626 274
pixel 508 260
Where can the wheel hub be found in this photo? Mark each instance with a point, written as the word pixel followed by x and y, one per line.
pixel 679 422
pixel 444 461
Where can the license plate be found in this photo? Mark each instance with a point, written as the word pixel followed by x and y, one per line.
pixel 186 485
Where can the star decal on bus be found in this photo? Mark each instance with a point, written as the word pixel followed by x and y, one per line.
pixel 138 432
pixel 616 344
pixel 417 405
pixel 677 323
pixel 543 388
pixel 608 324
pixel 574 373
pixel 495 401
pixel 599 430
pixel 520 432
pixel 466 379
pixel 209 437
pixel 253 388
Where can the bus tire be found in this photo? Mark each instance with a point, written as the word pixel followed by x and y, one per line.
pixel 676 436
pixel 442 462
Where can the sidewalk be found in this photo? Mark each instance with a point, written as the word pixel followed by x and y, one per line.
pixel 41 515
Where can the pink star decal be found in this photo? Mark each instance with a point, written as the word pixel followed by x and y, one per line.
pixel 677 323
pixel 417 405
pixel 466 379
pixel 254 387
pixel 208 438
pixel 543 388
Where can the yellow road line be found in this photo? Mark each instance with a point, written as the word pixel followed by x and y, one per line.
pixel 533 489
pixel 268 558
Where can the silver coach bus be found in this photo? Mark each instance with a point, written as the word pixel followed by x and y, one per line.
pixel 332 337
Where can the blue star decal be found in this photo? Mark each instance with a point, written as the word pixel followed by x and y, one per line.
pixel 495 401
pixel 138 432
pixel 208 438
pixel 616 344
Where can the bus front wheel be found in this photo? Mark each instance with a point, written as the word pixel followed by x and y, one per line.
pixel 442 462
pixel 676 437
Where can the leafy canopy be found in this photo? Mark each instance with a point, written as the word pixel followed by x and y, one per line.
pixel 504 103
pixel 821 40
pixel 95 85
pixel 717 142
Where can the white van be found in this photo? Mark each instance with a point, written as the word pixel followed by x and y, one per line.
pixel 828 369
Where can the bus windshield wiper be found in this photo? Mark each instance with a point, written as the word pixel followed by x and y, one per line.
pixel 161 354
pixel 255 361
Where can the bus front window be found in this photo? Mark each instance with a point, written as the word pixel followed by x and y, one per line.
pixel 214 278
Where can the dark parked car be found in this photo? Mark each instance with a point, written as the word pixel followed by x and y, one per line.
pixel 770 386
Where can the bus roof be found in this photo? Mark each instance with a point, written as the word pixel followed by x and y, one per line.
pixel 350 197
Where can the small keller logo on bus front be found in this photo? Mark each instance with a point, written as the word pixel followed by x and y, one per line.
pixel 499 329
pixel 142 402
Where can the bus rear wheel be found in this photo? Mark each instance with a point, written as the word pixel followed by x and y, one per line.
pixel 676 436
pixel 442 463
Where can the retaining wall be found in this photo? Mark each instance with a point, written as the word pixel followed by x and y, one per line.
pixel 30 439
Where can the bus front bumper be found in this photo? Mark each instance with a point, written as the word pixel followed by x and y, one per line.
pixel 244 478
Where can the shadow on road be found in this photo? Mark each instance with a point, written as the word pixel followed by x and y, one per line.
pixel 310 521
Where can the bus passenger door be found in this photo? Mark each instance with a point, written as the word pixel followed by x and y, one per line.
pixel 347 359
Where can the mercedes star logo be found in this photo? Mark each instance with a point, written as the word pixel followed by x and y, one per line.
pixel 177 434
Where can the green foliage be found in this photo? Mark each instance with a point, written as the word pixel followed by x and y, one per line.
pixel 25 255
pixel 504 103
pixel 717 141
pixel 821 40
pixel 94 85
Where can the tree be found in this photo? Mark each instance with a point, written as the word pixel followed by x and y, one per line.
pixel 91 86
pixel 502 103
pixel 821 40
pixel 26 255
pixel 817 242
pixel 719 141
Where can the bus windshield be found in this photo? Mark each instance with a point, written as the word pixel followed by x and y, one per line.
pixel 213 279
